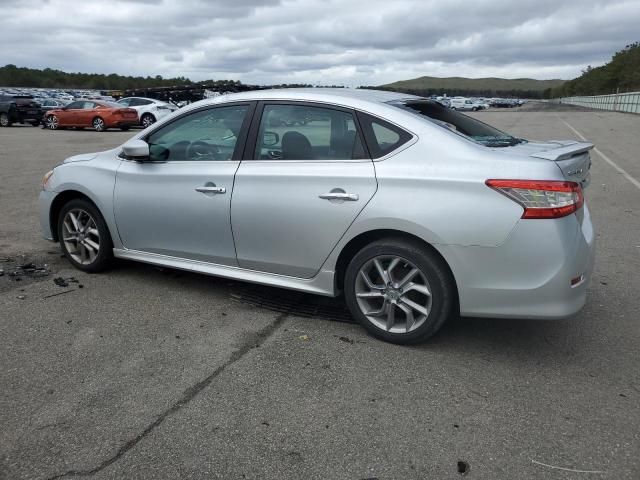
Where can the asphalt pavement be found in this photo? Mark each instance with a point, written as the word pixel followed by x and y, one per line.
pixel 144 372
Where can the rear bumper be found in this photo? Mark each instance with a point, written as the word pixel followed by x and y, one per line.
pixel 530 275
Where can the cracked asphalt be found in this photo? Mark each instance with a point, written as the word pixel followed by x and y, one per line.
pixel 154 373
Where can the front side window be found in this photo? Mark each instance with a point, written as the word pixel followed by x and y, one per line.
pixel 299 132
pixel 205 135
pixel 125 102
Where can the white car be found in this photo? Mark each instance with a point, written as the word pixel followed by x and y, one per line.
pixel 464 104
pixel 149 110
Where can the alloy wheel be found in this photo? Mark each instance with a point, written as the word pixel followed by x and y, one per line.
pixel 80 236
pixel 52 122
pixel 147 121
pixel 393 294
pixel 4 120
pixel 98 124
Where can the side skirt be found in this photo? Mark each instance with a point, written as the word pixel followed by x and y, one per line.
pixel 321 284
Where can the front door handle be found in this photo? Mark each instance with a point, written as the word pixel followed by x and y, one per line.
pixel 211 189
pixel 351 197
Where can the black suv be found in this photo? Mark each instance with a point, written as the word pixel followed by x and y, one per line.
pixel 19 109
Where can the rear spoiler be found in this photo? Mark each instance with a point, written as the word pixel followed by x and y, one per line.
pixel 567 150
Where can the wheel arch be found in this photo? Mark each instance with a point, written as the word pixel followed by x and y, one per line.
pixel 358 242
pixel 60 201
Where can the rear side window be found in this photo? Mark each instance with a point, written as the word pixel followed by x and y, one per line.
pixel 382 137
pixel 303 132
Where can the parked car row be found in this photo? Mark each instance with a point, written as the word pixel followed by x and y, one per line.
pixel 98 114
pixel 476 103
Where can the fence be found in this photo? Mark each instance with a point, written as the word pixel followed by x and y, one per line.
pixel 618 102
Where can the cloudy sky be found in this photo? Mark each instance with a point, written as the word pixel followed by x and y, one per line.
pixel 351 42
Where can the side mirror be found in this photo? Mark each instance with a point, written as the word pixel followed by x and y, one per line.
pixel 136 150
pixel 269 139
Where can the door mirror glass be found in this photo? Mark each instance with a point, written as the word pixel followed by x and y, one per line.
pixel 270 139
pixel 136 150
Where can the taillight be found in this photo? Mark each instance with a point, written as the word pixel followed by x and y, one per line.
pixel 542 198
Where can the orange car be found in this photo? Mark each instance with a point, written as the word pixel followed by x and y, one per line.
pixel 98 114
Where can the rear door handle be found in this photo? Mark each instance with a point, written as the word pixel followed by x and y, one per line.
pixel 351 197
pixel 211 189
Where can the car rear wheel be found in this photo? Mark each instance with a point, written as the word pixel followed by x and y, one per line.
pixel 147 120
pixel 52 122
pixel 4 120
pixel 399 290
pixel 98 124
pixel 84 236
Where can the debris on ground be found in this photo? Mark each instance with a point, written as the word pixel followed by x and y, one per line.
pixel 304 338
pixel 64 282
pixel 28 269
pixel 344 339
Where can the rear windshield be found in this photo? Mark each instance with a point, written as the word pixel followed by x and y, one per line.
pixel 457 122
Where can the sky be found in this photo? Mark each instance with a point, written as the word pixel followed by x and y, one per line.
pixel 341 42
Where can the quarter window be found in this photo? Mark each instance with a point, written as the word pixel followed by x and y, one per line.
pixel 299 132
pixel 205 135
pixel 382 137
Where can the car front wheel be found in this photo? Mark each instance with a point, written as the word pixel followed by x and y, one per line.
pixel 400 291
pixel 52 122
pixel 84 236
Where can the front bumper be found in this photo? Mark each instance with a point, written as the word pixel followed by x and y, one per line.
pixel 44 209
pixel 530 275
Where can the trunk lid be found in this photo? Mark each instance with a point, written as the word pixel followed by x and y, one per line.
pixel 572 157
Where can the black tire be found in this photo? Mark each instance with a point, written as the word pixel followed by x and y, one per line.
pixel 104 258
pixel 147 120
pixel 5 121
pixel 434 269
pixel 98 124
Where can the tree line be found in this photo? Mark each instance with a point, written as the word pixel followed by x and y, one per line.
pixel 621 74
pixel 13 76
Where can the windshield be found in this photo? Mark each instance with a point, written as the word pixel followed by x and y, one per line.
pixel 458 123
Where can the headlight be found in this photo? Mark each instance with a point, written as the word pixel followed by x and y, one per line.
pixel 46 178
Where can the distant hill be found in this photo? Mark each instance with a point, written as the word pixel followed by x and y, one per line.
pixel 620 74
pixel 487 87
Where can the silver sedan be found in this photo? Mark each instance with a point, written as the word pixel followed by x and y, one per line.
pixel 413 211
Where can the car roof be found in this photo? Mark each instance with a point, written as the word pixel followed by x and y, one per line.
pixel 362 94
pixel 345 96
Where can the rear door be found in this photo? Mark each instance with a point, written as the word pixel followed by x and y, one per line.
pixel 304 179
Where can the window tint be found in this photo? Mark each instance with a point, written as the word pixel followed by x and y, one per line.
pixel 298 132
pixel 75 105
pixel 382 137
pixel 205 135
pixel 459 123
pixel 141 101
pixel 125 102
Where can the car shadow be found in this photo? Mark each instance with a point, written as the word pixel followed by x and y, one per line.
pixel 544 341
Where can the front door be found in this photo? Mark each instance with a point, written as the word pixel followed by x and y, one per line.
pixel 178 203
pixel 303 184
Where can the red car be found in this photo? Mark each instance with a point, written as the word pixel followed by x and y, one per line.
pixel 97 114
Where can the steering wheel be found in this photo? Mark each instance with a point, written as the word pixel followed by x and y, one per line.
pixel 200 150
